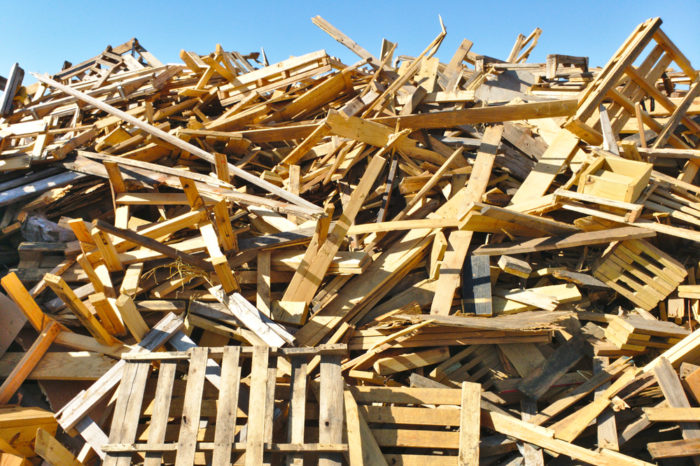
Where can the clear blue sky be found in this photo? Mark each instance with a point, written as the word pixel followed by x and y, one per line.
pixel 40 35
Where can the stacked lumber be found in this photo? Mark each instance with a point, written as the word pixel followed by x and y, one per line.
pixel 398 261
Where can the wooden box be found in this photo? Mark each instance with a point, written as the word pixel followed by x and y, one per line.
pixel 615 178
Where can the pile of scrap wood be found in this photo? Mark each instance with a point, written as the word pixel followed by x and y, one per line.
pixel 399 261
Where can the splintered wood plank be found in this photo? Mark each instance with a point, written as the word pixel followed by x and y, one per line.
pixel 469 425
pixel 29 361
pixel 564 358
pixel 675 397
pixel 227 407
pixel 161 410
pixel 52 451
pixel 476 286
pixel 63 291
pixel 330 418
pixel 192 405
pixel 309 276
pixel 297 407
pixel 256 410
pixel 127 410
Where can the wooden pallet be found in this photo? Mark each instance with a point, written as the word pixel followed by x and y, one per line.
pixel 640 272
pixel 636 334
pixel 197 441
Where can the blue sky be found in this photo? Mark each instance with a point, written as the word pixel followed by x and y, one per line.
pixel 40 35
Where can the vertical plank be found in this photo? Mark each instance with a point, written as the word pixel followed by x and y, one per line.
pixel 532 456
pixel 127 410
pixel 297 407
pixel 256 410
pixel 469 424
pixel 330 418
pixel 476 286
pixel 263 297
pixel 192 405
pixel 270 401
pixel 605 423
pixel 161 410
pixel 227 407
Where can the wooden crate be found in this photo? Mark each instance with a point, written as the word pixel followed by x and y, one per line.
pixel 615 178
pixel 640 272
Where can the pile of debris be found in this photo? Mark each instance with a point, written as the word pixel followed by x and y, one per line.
pixel 400 261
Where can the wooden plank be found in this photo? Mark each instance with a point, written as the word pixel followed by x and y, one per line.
pixel 527 432
pixel 61 365
pixel 192 405
pixel 672 414
pixel 19 294
pixel 476 286
pixel 674 448
pixel 469 425
pixel 161 410
pixel 482 115
pixel 297 407
pixel 127 410
pixel 573 240
pixel 12 85
pixel 227 407
pixel 132 317
pixel 256 409
pixel 52 451
pixel 63 291
pixel 540 178
pixel 330 418
pixel 28 362
pixel 605 423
